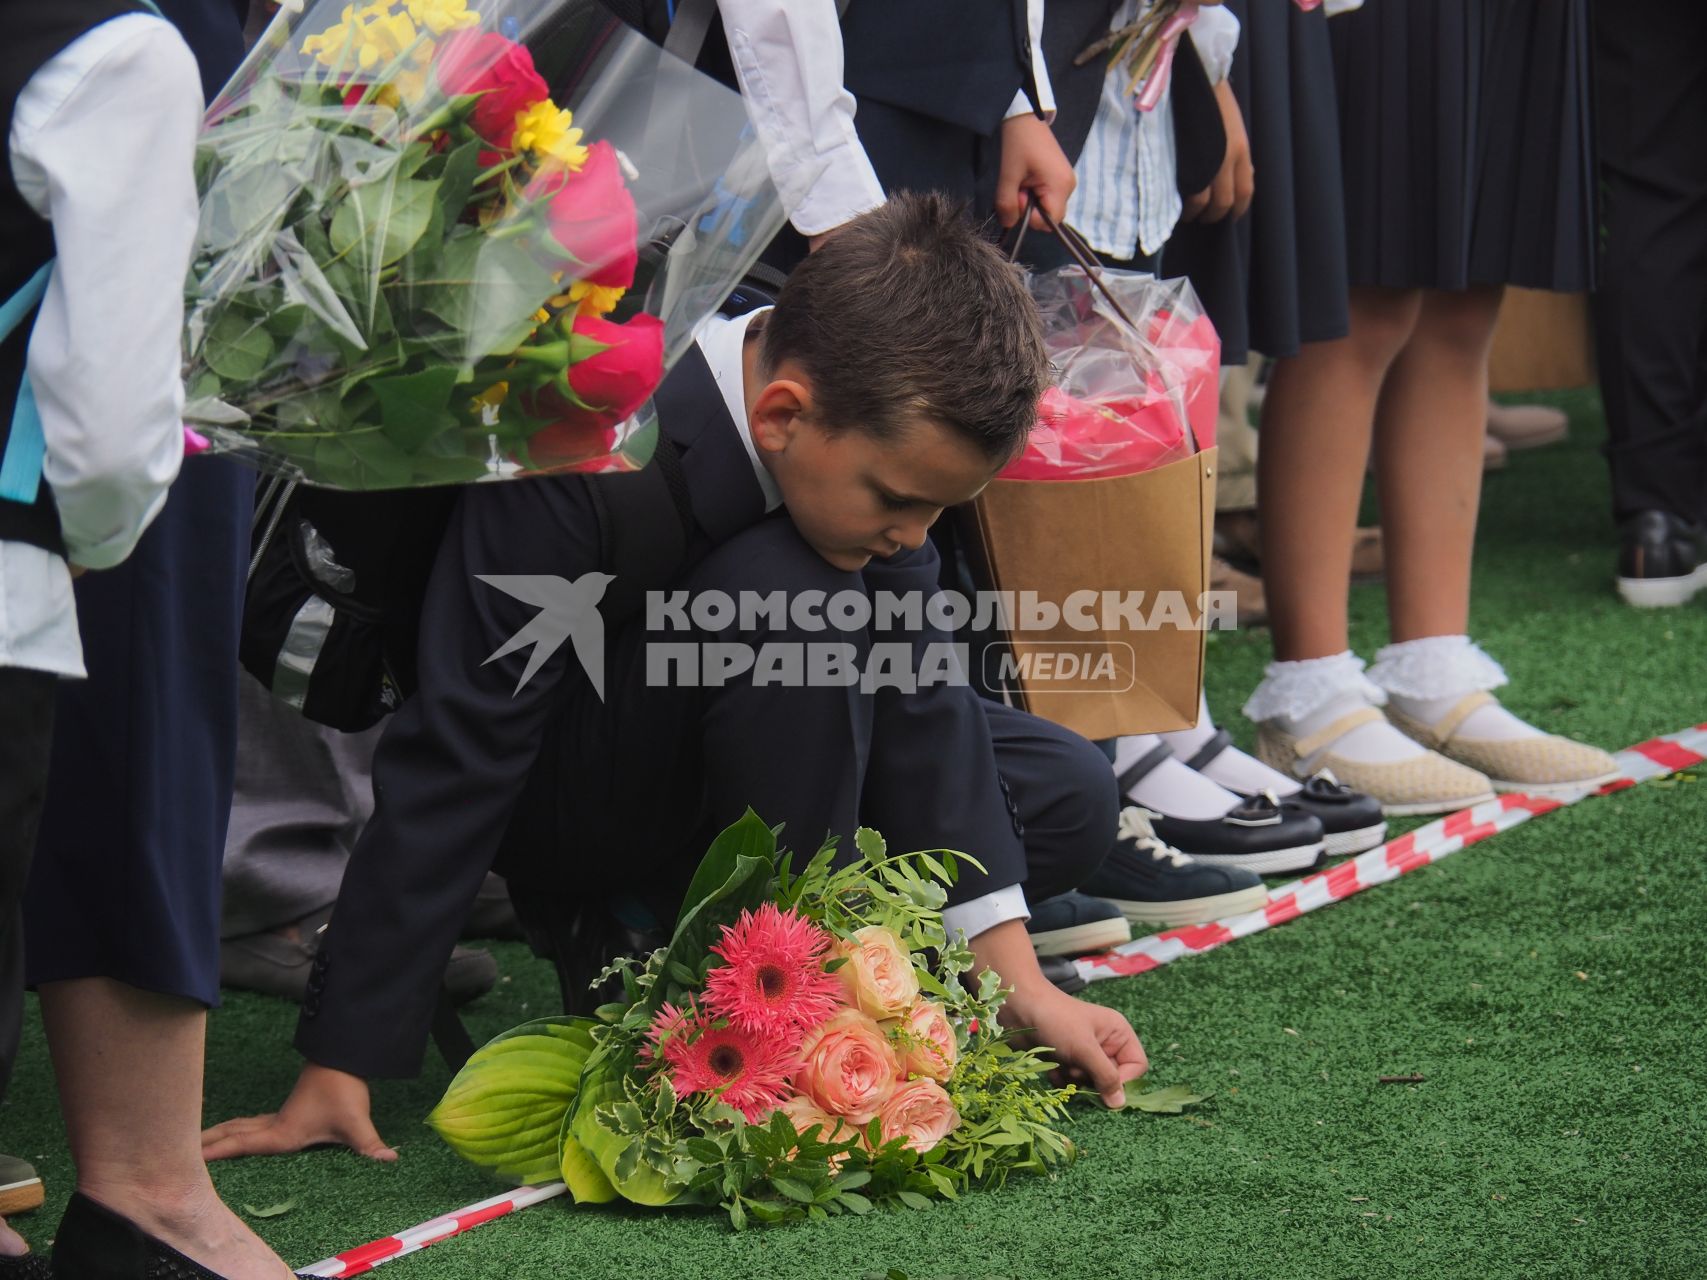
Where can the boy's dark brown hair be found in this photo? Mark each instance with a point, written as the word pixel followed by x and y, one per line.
pixel 906 313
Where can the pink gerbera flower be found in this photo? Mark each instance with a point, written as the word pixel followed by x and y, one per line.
pixel 748 1070
pixel 668 1023
pixel 772 976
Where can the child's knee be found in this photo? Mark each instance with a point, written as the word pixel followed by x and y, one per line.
pixel 771 575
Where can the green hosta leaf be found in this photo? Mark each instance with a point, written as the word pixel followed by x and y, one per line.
pixel 505 1109
pixel 1170 1101
pixel 580 1172
pixel 415 407
pixel 238 349
pixel 601 1084
pixel 378 223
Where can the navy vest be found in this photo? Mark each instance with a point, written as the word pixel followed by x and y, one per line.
pixel 35 33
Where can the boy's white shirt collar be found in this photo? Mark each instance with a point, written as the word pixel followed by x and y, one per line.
pixel 722 341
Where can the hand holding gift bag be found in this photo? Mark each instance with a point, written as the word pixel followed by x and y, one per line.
pixel 1101 529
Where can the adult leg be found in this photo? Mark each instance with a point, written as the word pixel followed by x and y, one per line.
pixel 1650 305
pixel 1317 425
pixel 113 1044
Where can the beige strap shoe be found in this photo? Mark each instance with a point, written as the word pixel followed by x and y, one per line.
pixel 1425 783
pixel 1545 765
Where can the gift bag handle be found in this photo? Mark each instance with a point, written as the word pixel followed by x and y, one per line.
pixel 1077 248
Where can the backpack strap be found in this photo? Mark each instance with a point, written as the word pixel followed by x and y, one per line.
pixel 21 465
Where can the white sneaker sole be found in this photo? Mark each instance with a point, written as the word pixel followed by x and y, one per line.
pixel 1663 593
pixel 1081 939
pixel 1194 910
pixel 1270 862
pixel 1356 841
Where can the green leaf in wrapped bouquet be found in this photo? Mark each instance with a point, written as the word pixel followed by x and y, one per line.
pixel 487 290
pixel 505 1109
pixel 415 407
pixel 377 224
pixel 602 1085
pixel 237 348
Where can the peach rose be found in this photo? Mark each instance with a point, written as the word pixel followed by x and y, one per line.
pixel 929 1048
pixel 920 1112
pixel 847 1067
pixel 879 974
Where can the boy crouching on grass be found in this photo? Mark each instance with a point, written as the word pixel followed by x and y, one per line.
pixel 817 442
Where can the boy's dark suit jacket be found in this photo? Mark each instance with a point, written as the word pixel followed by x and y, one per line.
pixel 456 758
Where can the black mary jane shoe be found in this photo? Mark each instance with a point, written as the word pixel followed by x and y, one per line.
pixel 1351 821
pixel 32 1266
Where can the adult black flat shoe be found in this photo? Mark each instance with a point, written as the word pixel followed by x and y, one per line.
pixel 94 1243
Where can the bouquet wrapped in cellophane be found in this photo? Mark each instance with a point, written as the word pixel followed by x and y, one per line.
pixel 806 1045
pixel 451 240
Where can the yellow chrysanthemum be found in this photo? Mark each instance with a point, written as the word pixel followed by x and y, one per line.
pixel 363 39
pixel 492 397
pixel 440 16
pixel 546 129
pixel 590 299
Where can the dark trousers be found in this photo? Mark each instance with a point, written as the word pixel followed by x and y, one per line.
pixel 26 737
pixel 1650 310
pixel 631 788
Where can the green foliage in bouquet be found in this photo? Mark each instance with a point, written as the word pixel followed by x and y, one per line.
pixel 405 262
pixel 808 1043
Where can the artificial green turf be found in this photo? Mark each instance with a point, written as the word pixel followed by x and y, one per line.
pixel 1547 984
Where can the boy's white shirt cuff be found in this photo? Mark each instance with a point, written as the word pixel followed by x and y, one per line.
pixel 983 914
pixel 1039 69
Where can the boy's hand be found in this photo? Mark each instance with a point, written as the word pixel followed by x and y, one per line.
pixel 1032 161
pixel 327 1107
pixel 1095 1046
pixel 1235 183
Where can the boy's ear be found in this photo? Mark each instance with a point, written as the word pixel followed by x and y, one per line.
pixel 779 412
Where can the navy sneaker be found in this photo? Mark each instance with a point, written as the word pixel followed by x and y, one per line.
pixel 1075 924
pixel 1155 884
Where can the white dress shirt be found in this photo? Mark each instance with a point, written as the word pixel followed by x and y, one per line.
pixel 788 62
pixel 721 341
pixel 103 145
pixel 1127 198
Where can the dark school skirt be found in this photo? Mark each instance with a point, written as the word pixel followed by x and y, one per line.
pixel 1277 277
pixel 1466 143
pixel 126 879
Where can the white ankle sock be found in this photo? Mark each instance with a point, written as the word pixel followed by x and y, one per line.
pixel 1427 678
pixel 1232 768
pixel 1301 698
pixel 1171 789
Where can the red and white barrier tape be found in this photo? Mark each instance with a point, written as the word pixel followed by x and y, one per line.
pixel 355 1262
pixel 1438 839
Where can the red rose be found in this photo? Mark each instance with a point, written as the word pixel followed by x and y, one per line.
pixel 619 365
pixel 583 445
pixel 592 218
pixel 500 71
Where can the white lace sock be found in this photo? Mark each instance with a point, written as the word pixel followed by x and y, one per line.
pixel 1170 788
pixel 1232 768
pixel 1427 678
pixel 1300 698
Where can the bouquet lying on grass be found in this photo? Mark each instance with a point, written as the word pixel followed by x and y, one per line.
pixel 804 1046
pixel 416 264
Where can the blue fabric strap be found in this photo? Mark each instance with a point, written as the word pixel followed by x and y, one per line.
pixel 20 468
